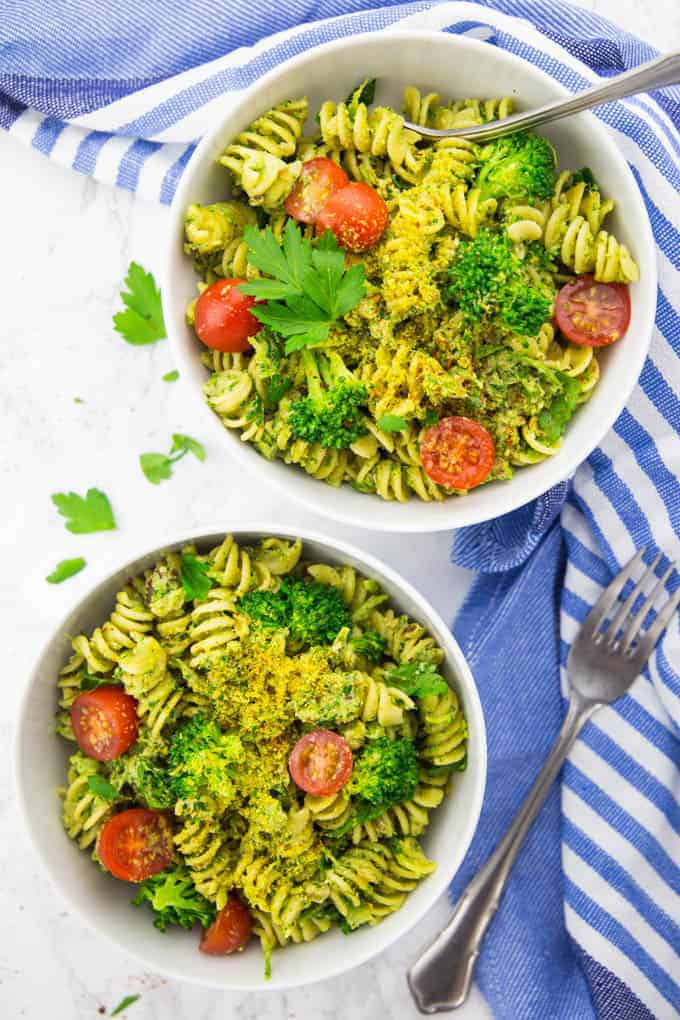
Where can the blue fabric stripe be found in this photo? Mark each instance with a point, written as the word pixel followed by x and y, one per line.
pixel 46 136
pixel 664 233
pixel 620 498
pixel 647 456
pixel 132 162
pixel 173 175
pixel 88 151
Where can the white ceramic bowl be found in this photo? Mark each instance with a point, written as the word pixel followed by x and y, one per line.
pixel 453 66
pixel 104 903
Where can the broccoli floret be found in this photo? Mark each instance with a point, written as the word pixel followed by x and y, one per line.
pixel 491 285
pixel 201 763
pixel 371 645
pixel 386 773
pixel 147 778
pixel 174 899
pixel 517 166
pixel 331 414
pixel 312 612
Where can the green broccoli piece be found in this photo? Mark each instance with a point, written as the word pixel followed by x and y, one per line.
pixel 371 645
pixel 312 612
pixel 517 166
pixel 202 761
pixel 175 900
pixel 331 414
pixel 491 285
pixel 147 778
pixel 385 773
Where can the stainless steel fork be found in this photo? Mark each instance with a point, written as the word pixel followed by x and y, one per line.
pixel 608 654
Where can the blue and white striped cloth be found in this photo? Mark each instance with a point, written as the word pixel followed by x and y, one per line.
pixel 590 923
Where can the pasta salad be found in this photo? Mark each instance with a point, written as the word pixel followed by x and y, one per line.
pixel 407 316
pixel 260 742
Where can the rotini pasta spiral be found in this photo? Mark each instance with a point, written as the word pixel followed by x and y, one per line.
pixel 128 623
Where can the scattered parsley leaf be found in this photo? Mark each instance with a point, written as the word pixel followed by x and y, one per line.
pixel 306 288
pixel 129 1000
pixel 101 788
pixel 431 418
pixel 65 569
pixel 417 679
pixel 195 580
pixel 157 467
pixel 142 320
pixel 391 423
pixel 171 376
pixel 554 419
pixel 85 514
pixel 277 387
pixel 90 682
pixel 188 445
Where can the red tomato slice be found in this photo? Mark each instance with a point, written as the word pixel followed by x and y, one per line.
pixel 104 722
pixel 457 453
pixel 321 763
pixel 230 930
pixel 223 319
pixel 319 178
pixel 135 844
pixel 357 216
pixel 593 314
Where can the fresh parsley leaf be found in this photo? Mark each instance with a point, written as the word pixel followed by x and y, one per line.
pixel 554 419
pixel 85 514
pixel 306 288
pixel 277 387
pixel 363 93
pixel 65 569
pixel 417 679
pixel 129 1000
pixel 142 320
pixel 157 467
pixel 431 418
pixel 195 580
pixel 171 376
pixel 101 788
pixel 391 423
pixel 90 682
pixel 188 445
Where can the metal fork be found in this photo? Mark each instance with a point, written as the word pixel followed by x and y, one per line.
pixel 664 70
pixel 608 654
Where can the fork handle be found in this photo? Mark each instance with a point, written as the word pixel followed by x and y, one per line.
pixel 655 74
pixel 440 979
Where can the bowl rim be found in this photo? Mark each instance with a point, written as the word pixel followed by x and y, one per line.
pixel 452 512
pixel 454 657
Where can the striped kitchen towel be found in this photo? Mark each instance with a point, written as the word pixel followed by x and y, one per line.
pixel 589 925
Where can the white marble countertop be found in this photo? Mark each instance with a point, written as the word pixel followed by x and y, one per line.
pixel 67 244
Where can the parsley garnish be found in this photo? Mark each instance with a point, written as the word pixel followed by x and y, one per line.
pixel 277 387
pixel 157 467
pixel 129 1000
pixel 391 423
pixel 431 418
pixel 363 93
pixel 90 682
pixel 171 376
pixel 195 580
pixel 417 679
pixel 554 419
pixel 142 320
pixel 85 514
pixel 101 788
pixel 65 569
pixel 306 288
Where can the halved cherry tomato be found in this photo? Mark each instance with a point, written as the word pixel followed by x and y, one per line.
pixel 230 930
pixel 135 844
pixel 357 216
pixel 104 722
pixel 592 314
pixel 457 453
pixel 318 179
pixel 223 319
pixel 321 762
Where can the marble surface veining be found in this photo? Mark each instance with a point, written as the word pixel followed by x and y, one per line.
pixel 66 245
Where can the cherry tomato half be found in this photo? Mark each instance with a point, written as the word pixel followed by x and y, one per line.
pixel 135 844
pixel 457 453
pixel 318 180
pixel 357 216
pixel 230 930
pixel 592 314
pixel 104 722
pixel 321 762
pixel 223 319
